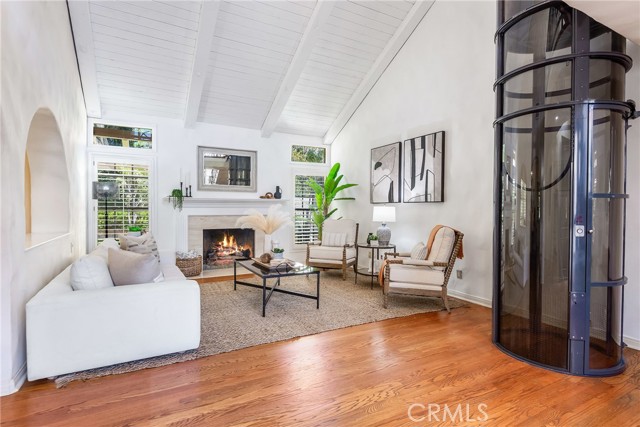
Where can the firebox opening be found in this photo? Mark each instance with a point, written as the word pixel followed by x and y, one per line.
pixel 221 247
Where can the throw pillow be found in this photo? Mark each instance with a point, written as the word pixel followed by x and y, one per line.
pixel 90 272
pixel 129 268
pixel 144 244
pixel 334 239
pixel 419 251
pixel 102 250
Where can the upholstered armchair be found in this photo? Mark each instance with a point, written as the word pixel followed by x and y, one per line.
pixel 426 270
pixel 338 246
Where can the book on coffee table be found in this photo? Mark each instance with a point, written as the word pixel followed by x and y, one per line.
pixel 278 264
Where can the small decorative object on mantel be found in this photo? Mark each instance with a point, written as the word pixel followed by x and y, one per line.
pixel 267 195
pixel 177 198
pixel 190 263
pixel 278 193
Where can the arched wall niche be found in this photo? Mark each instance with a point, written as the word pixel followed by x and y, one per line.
pixel 47 213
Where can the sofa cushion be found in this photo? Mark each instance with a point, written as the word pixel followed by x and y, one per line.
pixel 442 245
pixel 347 226
pixel 330 252
pixel 415 274
pixel 144 244
pixel 90 272
pixel 334 239
pixel 129 268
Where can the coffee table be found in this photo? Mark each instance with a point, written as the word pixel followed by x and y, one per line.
pixel 277 274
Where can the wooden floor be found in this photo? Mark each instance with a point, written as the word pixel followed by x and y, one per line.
pixel 367 375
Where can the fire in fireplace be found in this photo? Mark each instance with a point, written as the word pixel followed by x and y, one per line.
pixel 221 247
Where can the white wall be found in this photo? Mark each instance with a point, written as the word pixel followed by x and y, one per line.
pixel 38 71
pixel 441 80
pixel 631 323
pixel 177 149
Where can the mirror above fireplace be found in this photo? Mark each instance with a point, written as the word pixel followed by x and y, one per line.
pixel 224 169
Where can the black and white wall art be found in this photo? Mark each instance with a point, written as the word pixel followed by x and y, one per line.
pixel 423 166
pixel 385 173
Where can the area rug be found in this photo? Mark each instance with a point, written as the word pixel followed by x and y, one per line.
pixel 232 320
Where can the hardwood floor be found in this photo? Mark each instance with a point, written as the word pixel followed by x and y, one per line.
pixel 367 375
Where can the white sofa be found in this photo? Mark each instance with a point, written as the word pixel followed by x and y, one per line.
pixel 70 331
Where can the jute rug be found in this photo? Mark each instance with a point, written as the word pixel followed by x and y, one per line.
pixel 232 320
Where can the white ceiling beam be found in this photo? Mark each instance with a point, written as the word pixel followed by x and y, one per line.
pixel 83 38
pixel 305 47
pixel 206 29
pixel 402 34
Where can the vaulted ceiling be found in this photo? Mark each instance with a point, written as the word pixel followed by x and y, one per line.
pixel 299 67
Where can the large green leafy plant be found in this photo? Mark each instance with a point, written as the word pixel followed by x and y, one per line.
pixel 327 194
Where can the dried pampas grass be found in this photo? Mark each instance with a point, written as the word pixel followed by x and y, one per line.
pixel 274 219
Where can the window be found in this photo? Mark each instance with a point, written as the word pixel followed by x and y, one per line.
pixel 122 136
pixel 130 206
pixel 305 200
pixel 307 154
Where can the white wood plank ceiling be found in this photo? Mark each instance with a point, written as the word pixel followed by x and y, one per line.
pixel 298 67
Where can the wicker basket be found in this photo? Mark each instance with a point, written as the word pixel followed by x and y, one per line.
pixel 190 266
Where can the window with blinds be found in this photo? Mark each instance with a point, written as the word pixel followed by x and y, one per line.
pixel 129 207
pixel 305 199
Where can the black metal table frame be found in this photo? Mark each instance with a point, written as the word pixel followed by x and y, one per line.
pixel 377 256
pixel 264 275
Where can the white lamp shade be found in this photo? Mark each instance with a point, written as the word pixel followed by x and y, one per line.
pixel 384 214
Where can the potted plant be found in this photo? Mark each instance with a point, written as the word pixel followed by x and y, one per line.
pixel 177 198
pixel 135 231
pixel 327 194
pixel 278 253
pixel 373 240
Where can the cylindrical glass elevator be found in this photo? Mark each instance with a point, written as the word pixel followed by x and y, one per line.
pixel 560 190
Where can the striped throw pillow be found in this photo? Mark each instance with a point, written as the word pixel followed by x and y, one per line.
pixel 334 239
pixel 419 251
pixel 144 244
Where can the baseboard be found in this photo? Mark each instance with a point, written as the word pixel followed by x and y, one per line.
pixel 632 342
pixel 470 298
pixel 16 381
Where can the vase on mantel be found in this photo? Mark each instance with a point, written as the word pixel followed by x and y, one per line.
pixel 267 244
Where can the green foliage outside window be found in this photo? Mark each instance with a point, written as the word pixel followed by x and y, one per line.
pixel 306 154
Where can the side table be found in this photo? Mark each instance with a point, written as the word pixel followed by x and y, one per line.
pixel 374 250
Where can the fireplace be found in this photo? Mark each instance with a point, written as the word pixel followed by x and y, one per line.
pixel 222 246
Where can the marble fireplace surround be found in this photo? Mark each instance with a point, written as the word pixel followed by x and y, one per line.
pixel 199 214
pixel 198 223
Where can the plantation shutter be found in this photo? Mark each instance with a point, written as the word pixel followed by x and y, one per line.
pixel 130 207
pixel 305 200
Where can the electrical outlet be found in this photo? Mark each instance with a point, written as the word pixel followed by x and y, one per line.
pixel 459 274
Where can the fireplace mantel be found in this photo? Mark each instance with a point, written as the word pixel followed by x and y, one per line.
pixel 202 202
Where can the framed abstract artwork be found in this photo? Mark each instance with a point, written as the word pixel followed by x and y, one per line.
pixel 385 173
pixel 423 166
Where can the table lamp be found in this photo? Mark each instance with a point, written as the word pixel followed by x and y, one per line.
pixel 384 214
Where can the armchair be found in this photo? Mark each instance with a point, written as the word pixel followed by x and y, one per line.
pixel 337 249
pixel 407 274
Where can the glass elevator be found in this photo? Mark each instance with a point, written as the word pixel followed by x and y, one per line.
pixel 560 189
